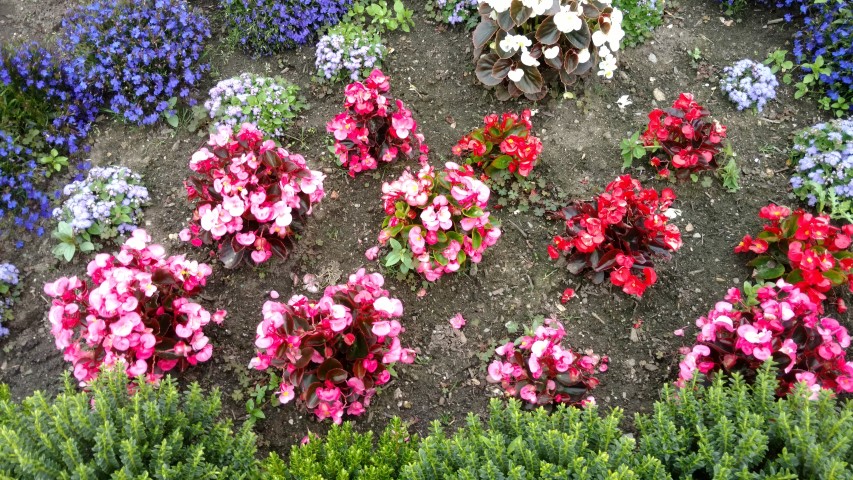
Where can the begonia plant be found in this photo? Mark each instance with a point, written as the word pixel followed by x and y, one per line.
pixel 251 196
pixel 621 231
pixel 372 130
pixel 771 322
pixel 540 370
pixel 503 143
pixel 803 249
pixel 521 46
pixel 333 353
pixel 136 309
pixel 683 140
pixel 436 221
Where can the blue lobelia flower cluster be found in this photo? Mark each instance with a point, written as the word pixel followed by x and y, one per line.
pixel 749 84
pixel 823 160
pixel 109 198
pixel 827 38
pixel 141 54
pixel 271 104
pixel 9 288
pixel 265 27
pixel 348 53
pixel 21 194
pixel 45 98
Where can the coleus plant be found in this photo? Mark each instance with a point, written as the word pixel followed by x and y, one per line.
pixel 251 197
pixel 436 221
pixel 503 143
pixel 683 138
pixel 137 309
pixel 334 352
pixel 371 130
pixel 771 322
pixel 538 369
pixel 804 249
pixel 522 46
pixel 621 231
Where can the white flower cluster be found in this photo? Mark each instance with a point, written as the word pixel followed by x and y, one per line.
pixel 568 19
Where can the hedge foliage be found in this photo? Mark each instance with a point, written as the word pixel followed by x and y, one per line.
pixel 720 429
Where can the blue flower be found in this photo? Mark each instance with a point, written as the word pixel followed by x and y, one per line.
pixel 138 45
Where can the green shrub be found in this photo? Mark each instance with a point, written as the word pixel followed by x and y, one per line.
pixel 733 430
pixel 346 455
pixel 109 433
pixel 568 443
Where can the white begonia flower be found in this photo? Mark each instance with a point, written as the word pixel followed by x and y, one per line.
pixel 623 102
pixel 515 74
pixel 551 52
pixel 500 6
pixel 607 67
pixel 539 6
pixel 567 20
pixel 511 43
pixel 613 37
pixel 528 59
pixel 583 56
pixel 603 51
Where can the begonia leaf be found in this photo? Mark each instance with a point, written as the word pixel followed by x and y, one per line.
pixel 484 33
pixel 547 32
pixel 484 67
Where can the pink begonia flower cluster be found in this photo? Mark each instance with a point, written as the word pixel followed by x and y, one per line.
pixel 370 130
pixel 334 351
pixel 136 310
pixel 440 219
pixel 781 324
pixel 250 196
pixel 540 371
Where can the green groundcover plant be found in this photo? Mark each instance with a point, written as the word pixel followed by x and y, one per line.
pixel 113 432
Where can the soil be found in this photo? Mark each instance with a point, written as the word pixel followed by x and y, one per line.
pixel 431 70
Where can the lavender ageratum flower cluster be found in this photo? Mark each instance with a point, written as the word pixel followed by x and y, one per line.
pixel 454 12
pixel 108 201
pixel 48 94
pixel 21 193
pixel 749 84
pixel 9 290
pixel 269 103
pixel 823 160
pixel 348 53
pixel 828 36
pixel 141 54
pixel 266 27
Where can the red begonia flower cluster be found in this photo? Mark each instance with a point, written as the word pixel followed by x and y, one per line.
pixel 804 249
pixel 440 218
pixel 504 143
pixel 541 371
pixel 370 130
pixel 137 310
pixel 334 351
pixel 683 138
pixel 250 196
pixel 620 232
pixel 781 324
